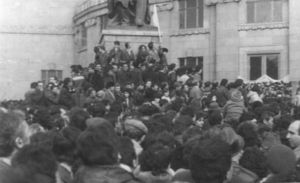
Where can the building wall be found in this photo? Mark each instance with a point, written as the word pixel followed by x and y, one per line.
pixel 226 39
pixel 34 35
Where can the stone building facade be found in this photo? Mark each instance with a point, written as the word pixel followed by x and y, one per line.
pixel 230 38
pixel 36 42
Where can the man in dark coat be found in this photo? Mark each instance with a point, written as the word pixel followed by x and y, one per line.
pixel 115 54
pixel 97 78
pixel 123 75
pixel 222 93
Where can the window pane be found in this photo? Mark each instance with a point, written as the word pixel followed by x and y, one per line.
pixel 255 67
pixel 200 61
pixel 181 62
pixel 200 13
pixel 181 4
pixel 191 62
pixel 59 75
pixel 277 11
pixel 83 35
pixel 250 12
pixel 263 11
pixel 272 66
pixel 182 19
pixel 44 75
pixel 191 3
pixel 191 15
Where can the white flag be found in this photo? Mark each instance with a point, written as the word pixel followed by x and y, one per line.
pixel 154 18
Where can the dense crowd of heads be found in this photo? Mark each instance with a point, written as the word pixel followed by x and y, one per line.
pixel 134 118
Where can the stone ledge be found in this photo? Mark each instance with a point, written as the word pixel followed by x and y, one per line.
pixel 37 29
pixel 159 1
pixel 186 32
pixel 121 32
pixel 214 2
pixel 263 26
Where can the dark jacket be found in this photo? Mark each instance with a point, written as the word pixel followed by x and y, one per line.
pixel 136 76
pixel 51 98
pixel 103 174
pixel 222 95
pixel 123 77
pixel 66 98
pixel 97 81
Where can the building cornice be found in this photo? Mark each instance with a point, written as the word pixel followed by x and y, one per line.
pixel 263 26
pixel 36 29
pixel 187 32
pixel 215 2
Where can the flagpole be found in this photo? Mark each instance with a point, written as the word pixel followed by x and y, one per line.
pixel 156 23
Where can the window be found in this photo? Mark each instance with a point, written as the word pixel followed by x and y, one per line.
pixel 191 61
pixel 264 64
pixel 190 13
pixel 103 22
pixel 83 36
pixel 46 74
pixel 262 11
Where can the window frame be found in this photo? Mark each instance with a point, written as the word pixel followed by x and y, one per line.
pixel 272 12
pixel 199 5
pixel 199 61
pixel 45 74
pixel 264 63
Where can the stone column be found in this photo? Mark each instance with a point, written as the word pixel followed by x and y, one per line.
pixel 226 37
pixel 294 40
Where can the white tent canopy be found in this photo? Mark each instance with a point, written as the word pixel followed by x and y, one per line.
pixel 266 79
pixel 286 79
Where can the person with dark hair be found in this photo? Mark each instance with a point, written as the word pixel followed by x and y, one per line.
pixel 252 166
pixel 249 131
pixel 35 163
pixel 163 56
pixel 99 153
pixel 128 154
pixel 154 165
pixel 136 74
pixel 97 78
pixel 214 118
pixel 78 116
pixel 109 92
pixel 123 76
pixel 96 109
pixel 66 97
pixel 142 54
pixel 195 92
pixel 210 161
pixel 115 53
pixel 14 135
pixel 153 56
pixel 281 162
pixel 51 94
pixel 128 55
pixel 222 93
pixel 101 56
pixel 64 150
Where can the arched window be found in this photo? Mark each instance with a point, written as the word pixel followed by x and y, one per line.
pixel 191 13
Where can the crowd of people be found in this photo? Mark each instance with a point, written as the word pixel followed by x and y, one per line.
pixel 135 118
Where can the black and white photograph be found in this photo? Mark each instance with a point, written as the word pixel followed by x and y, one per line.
pixel 150 91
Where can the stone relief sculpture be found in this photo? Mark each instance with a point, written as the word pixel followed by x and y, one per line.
pixel 128 12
